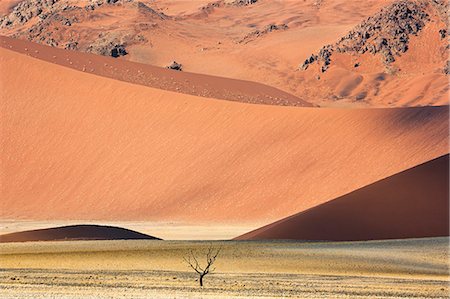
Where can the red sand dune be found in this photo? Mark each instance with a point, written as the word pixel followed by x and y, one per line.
pixel 75 232
pixel 208 42
pixel 157 77
pixel 410 204
pixel 80 146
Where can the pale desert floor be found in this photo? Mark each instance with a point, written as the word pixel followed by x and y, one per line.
pixel 415 268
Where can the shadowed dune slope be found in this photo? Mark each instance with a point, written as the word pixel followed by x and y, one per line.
pixel 411 204
pixel 75 232
pixel 79 146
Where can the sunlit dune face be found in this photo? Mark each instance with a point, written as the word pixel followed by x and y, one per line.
pixel 113 150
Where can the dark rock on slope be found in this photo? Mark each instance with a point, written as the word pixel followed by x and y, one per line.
pixel 267 29
pixel 175 66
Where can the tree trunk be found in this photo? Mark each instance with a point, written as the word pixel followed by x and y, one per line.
pixel 201 280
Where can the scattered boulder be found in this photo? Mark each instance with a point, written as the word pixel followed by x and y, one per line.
pixel 308 61
pixel 273 27
pixel 175 66
pixel 71 46
pixel 443 33
pixel 118 50
pixel 325 57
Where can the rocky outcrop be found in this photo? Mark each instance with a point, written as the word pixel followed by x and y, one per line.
pixel 267 29
pixel 110 44
pixel 26 10
pixel 387 34
pixel 97 3
pixel 175 66
pixel 41 31
pixel 208 8
pixel 144 9
pixel 52 22
pixel 241 2
pixel 71 46
pixel 118 50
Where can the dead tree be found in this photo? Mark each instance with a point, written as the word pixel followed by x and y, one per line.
pixel 192 261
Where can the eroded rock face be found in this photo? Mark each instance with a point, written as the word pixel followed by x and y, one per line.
pixel 26 10
pixel 53 20
pixel 387 34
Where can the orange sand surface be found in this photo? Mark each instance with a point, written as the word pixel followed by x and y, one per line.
pixel 79 146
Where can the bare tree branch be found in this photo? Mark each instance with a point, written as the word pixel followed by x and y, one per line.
pixel 211 256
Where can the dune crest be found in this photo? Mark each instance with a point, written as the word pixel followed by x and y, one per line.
pixel 157 77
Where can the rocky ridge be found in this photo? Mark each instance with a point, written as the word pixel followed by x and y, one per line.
pixel 28 9
pixel 208 8
pixel 386 34
pixel 50 22
pixel 258 33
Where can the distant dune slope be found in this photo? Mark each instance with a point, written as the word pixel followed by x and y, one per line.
pixel 157 77
pixel 79 146
pixel 75 232
pixel 411 204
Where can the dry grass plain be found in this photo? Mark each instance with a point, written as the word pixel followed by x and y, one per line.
pixel 414 268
